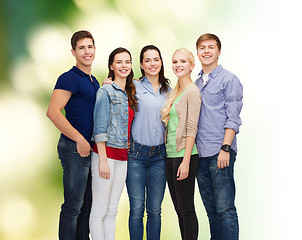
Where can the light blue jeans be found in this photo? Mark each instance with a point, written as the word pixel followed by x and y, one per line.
pixel 217 190
pixel 146 183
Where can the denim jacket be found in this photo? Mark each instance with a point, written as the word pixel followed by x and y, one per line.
pixel 111 116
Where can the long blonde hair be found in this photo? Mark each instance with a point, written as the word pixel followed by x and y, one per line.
pixel 165 111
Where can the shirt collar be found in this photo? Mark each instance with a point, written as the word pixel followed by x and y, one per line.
pixel 214 73
pixel 144 79
pixel 117 86
pixel 146 83
pixel 80 72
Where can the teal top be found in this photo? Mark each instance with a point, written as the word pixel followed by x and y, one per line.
pixel 171 135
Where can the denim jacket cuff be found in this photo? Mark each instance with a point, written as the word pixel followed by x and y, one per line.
pixel 100 138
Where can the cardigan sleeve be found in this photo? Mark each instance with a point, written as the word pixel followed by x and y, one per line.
pixel 193 111
pixel 188 109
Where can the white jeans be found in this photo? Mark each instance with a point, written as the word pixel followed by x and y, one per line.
pixel 106 194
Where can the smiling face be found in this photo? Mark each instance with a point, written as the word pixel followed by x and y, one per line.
pixel 208 54
pixel 121 65
pixel 151 63
pixel 181 64
pixel 84 53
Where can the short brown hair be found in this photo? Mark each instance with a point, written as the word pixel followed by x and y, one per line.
pixel 208 36
pixel 79 35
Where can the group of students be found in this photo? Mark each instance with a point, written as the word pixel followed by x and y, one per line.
pixel 141 133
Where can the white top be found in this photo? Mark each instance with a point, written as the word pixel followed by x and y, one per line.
pixel 205 78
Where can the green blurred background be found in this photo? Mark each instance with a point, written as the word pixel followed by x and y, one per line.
pixel 35 50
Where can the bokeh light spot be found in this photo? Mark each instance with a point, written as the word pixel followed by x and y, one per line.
pixel 17 217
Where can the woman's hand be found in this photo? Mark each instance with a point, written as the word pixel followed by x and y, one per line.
pixel 104 170
pixel 183 170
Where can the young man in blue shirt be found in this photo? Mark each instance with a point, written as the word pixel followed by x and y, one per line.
pixel 218 125
pixel 75 91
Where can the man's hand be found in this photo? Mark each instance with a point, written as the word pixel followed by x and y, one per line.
pixel 223 159
pixel 83 147
pixel 107 81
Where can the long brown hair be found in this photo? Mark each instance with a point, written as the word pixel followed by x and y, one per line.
pixel 129 88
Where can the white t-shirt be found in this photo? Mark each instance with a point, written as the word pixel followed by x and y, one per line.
pixel 205 78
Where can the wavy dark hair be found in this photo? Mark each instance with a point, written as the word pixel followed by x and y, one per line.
pixel 129 88
pixel 161 77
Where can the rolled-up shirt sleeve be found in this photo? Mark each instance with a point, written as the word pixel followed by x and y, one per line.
pixel 233 104
pixel 101 116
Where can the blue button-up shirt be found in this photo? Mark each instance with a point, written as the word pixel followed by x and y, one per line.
pixel 220 109
pixel 147 127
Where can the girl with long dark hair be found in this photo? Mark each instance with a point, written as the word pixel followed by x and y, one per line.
pixel 113 115
pixel 146 178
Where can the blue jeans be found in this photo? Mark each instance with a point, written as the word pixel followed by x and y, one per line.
pixel 75 211
pixel 146 183
pixel 217 190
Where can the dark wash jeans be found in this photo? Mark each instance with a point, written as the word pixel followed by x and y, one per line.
pixel 146 183
pixel 75 211
pixel 182 195
pixel 217 190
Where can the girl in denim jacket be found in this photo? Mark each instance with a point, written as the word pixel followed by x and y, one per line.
pixel 113 115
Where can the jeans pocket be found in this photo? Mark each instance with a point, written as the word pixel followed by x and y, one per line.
pixel 219 176
pixel 163 154
pixel 64 143
pixel 65 147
